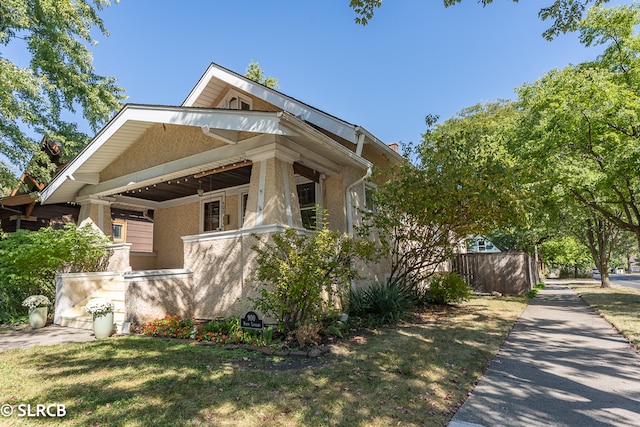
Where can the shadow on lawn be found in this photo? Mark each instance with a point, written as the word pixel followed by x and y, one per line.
pixel 417 373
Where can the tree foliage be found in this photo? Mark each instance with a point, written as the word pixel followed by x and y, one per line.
pixel 30 261
pixel 255 73
pixel 300 276
pixel 565 14
pixel 581 125
pixel 60 80
pixel 460 183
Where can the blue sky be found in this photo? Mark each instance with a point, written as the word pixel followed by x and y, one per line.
pixel 414 58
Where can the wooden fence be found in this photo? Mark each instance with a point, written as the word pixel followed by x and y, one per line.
pixel 510 273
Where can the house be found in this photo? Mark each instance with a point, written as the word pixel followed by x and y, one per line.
pixel 236 160
pixel 481 244
pixel 22 211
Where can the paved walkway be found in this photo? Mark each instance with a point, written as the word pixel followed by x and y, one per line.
pixel 49 335
pixel 562 365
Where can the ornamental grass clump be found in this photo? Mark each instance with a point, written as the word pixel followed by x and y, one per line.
pixel 35 301
pixel 99 307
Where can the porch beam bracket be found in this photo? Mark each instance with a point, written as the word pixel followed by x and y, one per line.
pixel 227 136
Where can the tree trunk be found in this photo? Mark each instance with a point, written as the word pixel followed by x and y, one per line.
pixel 605 282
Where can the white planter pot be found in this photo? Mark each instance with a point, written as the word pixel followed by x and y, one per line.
pixel 103 326
pixel 38 317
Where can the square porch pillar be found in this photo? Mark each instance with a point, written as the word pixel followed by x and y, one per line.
pixel 99 211
pixel 272 198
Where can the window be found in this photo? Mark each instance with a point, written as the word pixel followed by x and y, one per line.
pixel 370 197
pixel 234 101
pixel 211 215
pixel 119 230
pixel 307 200
pixel 243 206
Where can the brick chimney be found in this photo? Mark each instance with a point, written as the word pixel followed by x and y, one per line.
pixel 394 146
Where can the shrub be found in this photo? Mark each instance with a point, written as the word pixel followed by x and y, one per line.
pixel 30 261
pixel 301 276
pixel 448 289
pixel 380 303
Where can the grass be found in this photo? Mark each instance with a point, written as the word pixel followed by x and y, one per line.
pixel 618 305
pixel 415 374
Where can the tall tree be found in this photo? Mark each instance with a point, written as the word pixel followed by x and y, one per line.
pixel 581 124
pixel 565 14
pixel 60 80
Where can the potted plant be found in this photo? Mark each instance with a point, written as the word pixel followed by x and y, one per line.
pixel 102 311
pixel 38 310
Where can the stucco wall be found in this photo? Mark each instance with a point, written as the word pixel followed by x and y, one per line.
pixel 160 144
pixel 152 295
pixel 170 225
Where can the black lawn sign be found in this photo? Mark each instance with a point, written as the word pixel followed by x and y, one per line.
pixel 251 321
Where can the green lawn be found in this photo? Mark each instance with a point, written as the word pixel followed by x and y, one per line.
pixel 414 374
pixel 619 305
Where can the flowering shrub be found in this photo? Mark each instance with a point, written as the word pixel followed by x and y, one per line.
pixel 35 301
pixel 219 331
pixel 99 307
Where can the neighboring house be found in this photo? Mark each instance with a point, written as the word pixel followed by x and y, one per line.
pixel 21 209
pixel 236 160
pixel 481 244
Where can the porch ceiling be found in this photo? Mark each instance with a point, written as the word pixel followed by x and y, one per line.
pixel 189 185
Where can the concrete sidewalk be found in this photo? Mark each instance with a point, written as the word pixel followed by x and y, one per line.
pixel 49 335
pixel 562 365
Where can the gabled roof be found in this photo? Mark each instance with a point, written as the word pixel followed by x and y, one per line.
pixel 215 79
pixel 82 174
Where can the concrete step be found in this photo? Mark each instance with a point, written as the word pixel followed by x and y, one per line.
pixel 77 317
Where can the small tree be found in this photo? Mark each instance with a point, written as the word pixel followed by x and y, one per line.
pixel 301 276
pixel 30 261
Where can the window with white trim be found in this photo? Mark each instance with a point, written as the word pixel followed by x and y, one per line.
pixel 243 207
pixel 119 230
pixel 235 101
pixel 370 197
pixel 307 200
pixel 211 210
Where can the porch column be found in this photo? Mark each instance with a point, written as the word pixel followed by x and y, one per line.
pixel 272 198
pixel 99 211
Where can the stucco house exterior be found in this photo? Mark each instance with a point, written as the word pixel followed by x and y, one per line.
pixel 183 191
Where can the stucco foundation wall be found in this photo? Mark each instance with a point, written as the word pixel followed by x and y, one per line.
pixel 151 295
pixel 170 225
pixel 73 288
pixel 221 266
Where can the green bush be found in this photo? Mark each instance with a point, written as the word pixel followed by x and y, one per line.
pixel 30 261
pixel 301 276
pixel 448 289
pixel 383 304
